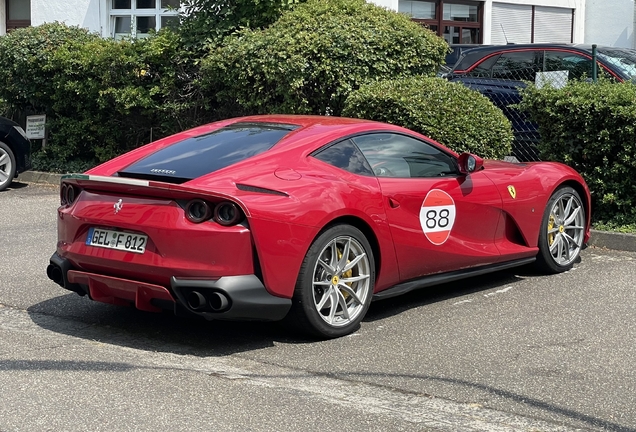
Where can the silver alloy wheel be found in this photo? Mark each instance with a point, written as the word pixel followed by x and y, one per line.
pixel 566 228
pixel 6 167
pixel 341 281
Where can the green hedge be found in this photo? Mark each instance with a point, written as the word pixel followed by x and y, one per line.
pixel 25 71
pixel 204 22
pixel 309 60
pixel 460 118
pixel 102 97
pixel 592 127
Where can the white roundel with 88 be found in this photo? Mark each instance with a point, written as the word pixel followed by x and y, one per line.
pixel 437 216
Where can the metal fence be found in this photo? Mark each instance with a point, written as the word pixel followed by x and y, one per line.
pixel 502 80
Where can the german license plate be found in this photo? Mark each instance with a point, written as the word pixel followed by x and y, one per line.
pixel 119 240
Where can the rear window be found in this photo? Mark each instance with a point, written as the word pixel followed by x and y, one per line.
pixel 201 155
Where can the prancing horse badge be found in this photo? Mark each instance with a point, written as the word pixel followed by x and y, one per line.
pixel 119 204
pixel 512 191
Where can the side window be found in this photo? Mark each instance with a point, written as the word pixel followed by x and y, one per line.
pixel 395 155
pixel 484 69
pixel 519 66
pixel 577 65
pixel 345 155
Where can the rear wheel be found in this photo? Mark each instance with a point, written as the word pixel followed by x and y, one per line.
pixel 562 231
pixel 7 166
pixel 335 284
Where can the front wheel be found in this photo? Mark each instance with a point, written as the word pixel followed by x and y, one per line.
pixel 562 231
pixel 7 166
pixel 335 284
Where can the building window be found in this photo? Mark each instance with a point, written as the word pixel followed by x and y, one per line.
pixel 457 21
pixel 18 14
pixel 138 18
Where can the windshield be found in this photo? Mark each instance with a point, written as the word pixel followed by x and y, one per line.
pixel 621 59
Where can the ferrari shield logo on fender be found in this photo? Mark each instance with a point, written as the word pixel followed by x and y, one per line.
pixel 437 216
pixel 118 205
pixel 512 191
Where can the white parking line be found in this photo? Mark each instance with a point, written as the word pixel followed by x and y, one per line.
pixel 501 291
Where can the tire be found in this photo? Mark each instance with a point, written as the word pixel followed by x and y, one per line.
pixel 332 293
pixel 7 166
pixel 562 231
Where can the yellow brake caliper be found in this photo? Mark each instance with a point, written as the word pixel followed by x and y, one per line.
pixel 550 235
pixel 346 274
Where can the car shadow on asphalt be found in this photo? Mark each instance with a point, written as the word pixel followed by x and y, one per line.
pixel 80 317
pixel 15 185
pixel 162 332
pixel 395 305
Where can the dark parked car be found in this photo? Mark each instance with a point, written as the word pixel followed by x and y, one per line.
pixel 498 71
pixel 15 152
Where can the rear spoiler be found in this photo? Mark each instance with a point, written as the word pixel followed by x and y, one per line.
pixel 147 188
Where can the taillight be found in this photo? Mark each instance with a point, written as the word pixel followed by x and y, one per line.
pixel 225 213
pixel 68 194
pixel 198 211
pixel 63 194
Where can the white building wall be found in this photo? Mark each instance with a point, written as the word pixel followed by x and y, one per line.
pixel 389 4
pixel 610 23
pixel 577 5
pixel 89 14
pixel 603 22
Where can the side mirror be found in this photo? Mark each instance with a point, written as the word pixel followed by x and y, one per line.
pixel 469 163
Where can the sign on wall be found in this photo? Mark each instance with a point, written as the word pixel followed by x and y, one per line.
pixel 35 126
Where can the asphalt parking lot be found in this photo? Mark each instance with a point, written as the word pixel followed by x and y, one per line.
pixel 509 351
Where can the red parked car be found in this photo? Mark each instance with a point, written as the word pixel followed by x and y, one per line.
pixel 307 218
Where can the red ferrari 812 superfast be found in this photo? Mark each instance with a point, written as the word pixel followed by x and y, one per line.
pixel 306 218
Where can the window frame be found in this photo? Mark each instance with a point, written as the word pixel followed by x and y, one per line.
pixel 367 171
pixel 540 54
pixel 443 150
pixel 536 62
pixel 438 24
pixel 15 24
pixel 453 164
pixel 571 70
pixel 133 13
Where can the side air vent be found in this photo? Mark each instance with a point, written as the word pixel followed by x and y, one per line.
pixel 248 188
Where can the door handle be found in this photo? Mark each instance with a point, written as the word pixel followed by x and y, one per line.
pixel 393 203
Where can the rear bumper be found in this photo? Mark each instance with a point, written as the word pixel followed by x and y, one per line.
pixel 227 298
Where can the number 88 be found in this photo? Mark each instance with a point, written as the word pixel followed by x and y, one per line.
pixel 437 220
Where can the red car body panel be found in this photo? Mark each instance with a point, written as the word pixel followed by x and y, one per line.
pixel 288 197
pixel 534 183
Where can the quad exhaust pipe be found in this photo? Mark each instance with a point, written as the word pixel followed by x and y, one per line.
pixel 198 301
pixel 197 298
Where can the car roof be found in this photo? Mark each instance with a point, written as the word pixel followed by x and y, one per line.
pixel 302 120
pixel 512 47
pixel 456 52
pixel 315 130
pixel 324 125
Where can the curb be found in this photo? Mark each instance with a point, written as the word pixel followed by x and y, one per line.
pixel 613 240
pixel 40 177
pixel 599 239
